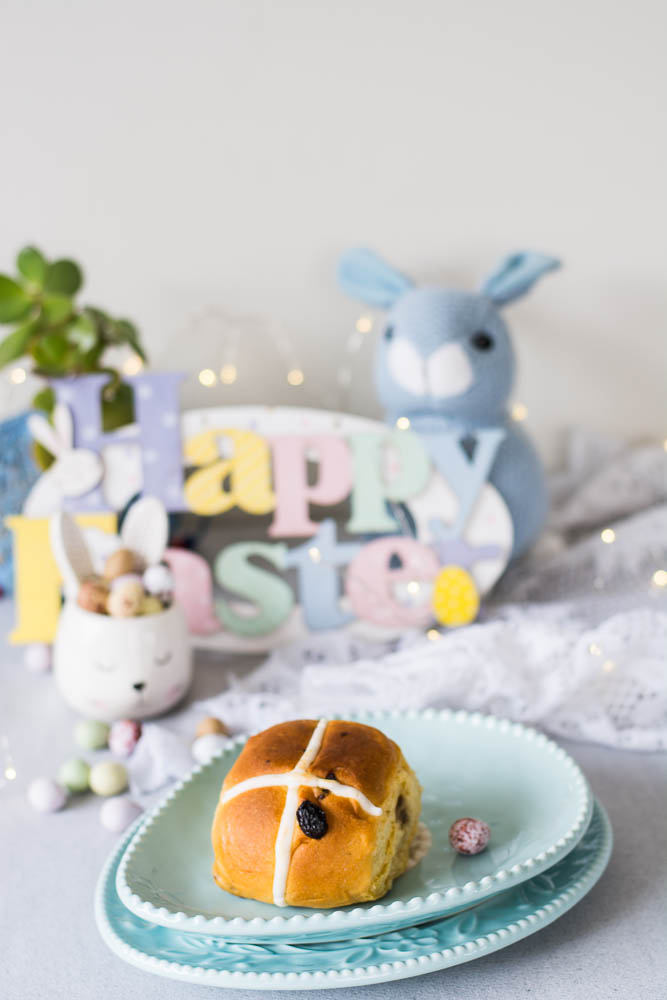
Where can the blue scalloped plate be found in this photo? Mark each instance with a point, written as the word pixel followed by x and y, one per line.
pixel 411 951
pixel 532 794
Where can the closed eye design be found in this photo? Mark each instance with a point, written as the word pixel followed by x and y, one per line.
pixel 105 668
pixel 161 661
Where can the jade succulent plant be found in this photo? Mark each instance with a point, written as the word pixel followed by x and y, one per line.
pixel 60 336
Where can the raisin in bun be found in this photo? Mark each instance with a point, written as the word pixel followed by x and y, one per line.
pixel 315 814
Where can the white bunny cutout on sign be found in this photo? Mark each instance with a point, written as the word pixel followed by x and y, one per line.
pixel 75 471
pixel 118 667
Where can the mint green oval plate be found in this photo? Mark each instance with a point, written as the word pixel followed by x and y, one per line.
pixel 530 792
pixel 410 951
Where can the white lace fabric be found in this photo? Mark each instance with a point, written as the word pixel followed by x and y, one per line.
pixel 573 639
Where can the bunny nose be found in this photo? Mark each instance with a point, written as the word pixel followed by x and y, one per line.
pixel 139 686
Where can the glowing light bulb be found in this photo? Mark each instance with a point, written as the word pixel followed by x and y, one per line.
pixel 403 423
pixel 17 375
pixel 608 535
pixel 364 324
pixel 660 578
pixel 228 374
pixel 433 634
pixel 207 377
pixel 295 376
pixel 10 773
pixel 315 554
pixel 594 649
pixel 413 587
pixel 519 412
pixel 132 365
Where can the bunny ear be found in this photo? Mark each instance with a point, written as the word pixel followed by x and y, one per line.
pixel 515 275
pixel 145 529
pixel 43 432
pixel 62 421
pixel 70 551
pixel 365 276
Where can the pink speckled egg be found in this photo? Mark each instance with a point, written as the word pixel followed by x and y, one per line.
pixel 469 835
pixel 124 737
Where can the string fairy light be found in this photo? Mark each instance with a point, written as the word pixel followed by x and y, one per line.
pixel 207 377
pixel 17 376
pixel 519 412
pixel 315 554
pixel 364 324
pixel 295 376
pixel 413 587
pixel 403 423
pixel 228 374
pixel 659 578
pixel 594 649
pixel 608 666
pixel 132 365
pixel 608 536
pixel 433 634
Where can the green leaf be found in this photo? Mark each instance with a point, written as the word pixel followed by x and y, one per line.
pixel 32 265
pixel 56 308
pixel 128 333
pixel 82 332
pixel 15 303
pixel 50 351
pixel 63 277
pixel 15 345
pixel 45 399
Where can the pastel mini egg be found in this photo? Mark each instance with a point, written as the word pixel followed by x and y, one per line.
pixel 119 563
pixel 158 580
pixel 208 746
pixel 46 795
pixel 37 657
pixel 125 601
pixel 120 581
pixel 92 596
pixel 151 605
pixel 211 725
pixel 116 814
pixel 91 734
pixel 74 775
pixel 108 778
pixel 124 737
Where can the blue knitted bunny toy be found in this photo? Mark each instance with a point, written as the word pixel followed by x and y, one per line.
pixel 445 361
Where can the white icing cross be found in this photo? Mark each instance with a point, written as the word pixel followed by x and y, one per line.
pixel 292 781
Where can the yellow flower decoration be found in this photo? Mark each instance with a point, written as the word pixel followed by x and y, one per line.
pixel 455 598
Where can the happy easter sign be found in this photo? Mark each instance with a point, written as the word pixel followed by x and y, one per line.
pixel 369 526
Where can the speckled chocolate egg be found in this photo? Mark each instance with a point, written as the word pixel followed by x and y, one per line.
pixel 124 737
pixel 91 734
pixel 108 778
pixel 118 813
pixel 74 775
pixel 92 596
pixel 211 725
pixel 151 605
pixel 46 795
pixel 119 563
pixel 469 835
pixel 125 601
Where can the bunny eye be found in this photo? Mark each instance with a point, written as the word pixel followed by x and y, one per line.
pixel 482 341
pixel 161 661
pixel 388 333
pixel 105 668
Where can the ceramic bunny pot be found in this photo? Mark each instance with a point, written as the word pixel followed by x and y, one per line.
pixel 118 668
pixel 445 361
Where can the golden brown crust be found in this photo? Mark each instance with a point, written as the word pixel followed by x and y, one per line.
pixel 342 867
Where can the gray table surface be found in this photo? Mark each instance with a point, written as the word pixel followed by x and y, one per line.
pixel 611 944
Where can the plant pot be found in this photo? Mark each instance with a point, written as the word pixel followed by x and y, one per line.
pixel 122 668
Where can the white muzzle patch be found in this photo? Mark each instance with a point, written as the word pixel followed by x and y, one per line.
pixel 446 372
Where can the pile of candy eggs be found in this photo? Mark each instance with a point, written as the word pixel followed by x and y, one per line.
pixel 105 778
pixel 127 588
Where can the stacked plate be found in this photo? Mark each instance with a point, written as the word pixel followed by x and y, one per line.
pixel 158 908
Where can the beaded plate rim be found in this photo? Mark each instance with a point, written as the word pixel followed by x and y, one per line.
pixel 328 921
pixel 515 929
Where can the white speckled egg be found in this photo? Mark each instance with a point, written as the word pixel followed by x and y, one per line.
pixel 207 746
pixel 46 795
pixel 118 813
pixel 37 657
pixel 108 778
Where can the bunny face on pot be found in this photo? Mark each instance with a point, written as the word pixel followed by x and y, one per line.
pixel 112 668
pixel 443 353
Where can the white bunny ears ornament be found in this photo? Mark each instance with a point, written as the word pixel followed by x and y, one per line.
pixel 74 472
pixel 118 667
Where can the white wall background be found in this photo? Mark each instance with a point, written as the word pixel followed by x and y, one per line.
pixel 224 152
